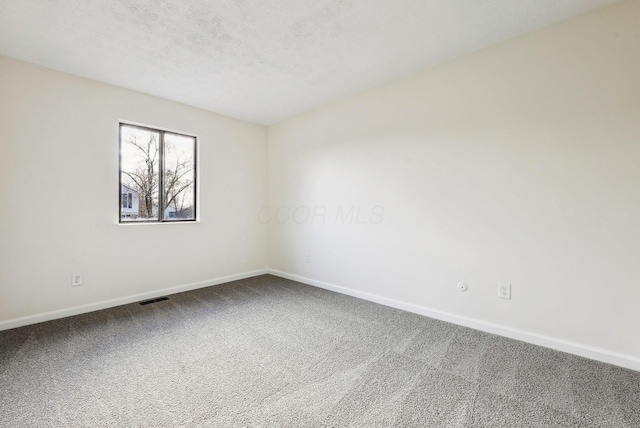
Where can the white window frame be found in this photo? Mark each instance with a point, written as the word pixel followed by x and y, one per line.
pixel 160 219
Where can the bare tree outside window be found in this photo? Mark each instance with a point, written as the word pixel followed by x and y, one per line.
pixel 158 169
pixel 179 176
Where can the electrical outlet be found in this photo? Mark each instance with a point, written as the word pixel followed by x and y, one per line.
pixel 307 257
pixel 504 290
pixel 76 279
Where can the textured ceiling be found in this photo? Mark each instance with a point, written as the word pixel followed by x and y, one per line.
pixel 261 60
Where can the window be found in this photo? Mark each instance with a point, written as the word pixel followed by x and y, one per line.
pixel 157 175
pixel 127 199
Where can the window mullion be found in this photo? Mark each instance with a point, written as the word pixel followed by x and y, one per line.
pixel 161 179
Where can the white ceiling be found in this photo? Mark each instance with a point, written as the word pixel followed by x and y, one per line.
pixel 262 60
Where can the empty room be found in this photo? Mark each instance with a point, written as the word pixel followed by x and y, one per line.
pixel 332 213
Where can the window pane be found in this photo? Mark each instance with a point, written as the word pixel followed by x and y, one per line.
pixel 139 173
pixel 179 177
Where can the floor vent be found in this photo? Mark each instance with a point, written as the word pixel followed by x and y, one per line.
pixel 159 299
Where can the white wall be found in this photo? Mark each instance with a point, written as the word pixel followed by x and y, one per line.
pixel 519 163
pixel 59 196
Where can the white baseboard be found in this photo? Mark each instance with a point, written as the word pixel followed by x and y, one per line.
pixel 579 349
pixel 582 350
pixel 77 310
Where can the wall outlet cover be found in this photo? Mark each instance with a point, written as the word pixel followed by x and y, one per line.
pixel 76 279
pixel 504 290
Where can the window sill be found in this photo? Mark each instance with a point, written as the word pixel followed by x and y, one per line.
pixel 156 223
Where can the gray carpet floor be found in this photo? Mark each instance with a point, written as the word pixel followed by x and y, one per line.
pixel 268 352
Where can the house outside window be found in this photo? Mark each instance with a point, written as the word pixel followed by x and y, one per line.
pixel 130 203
